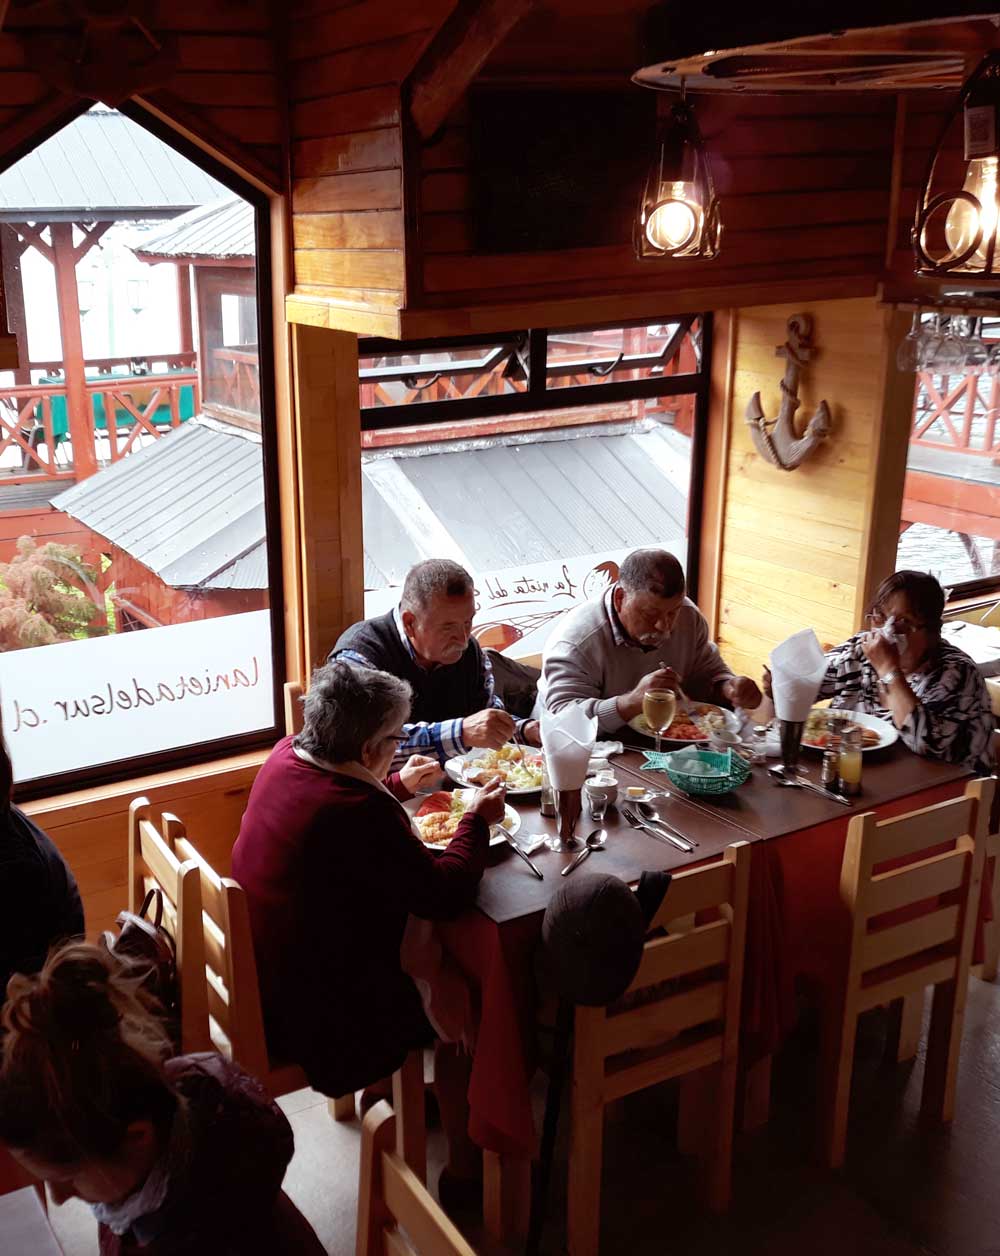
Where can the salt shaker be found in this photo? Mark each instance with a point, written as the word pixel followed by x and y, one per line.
pixel 547 797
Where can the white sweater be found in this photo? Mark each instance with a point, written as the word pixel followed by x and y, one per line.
pixel 589 660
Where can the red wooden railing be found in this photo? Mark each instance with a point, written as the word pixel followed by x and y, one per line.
pixel 27 422
pixel 235 383
pixel 957 413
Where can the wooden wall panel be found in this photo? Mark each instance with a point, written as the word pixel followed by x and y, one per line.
pixel 804 186
pixel 794 548
pixel 347 63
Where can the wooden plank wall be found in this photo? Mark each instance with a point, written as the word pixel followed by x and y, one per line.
pixel 346 64
pixel 804 186
pixel 794 546
pixel 227 87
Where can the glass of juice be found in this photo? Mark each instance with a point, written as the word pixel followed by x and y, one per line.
pixel 659 706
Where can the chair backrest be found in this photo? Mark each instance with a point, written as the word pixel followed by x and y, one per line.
pixel 682 1011
pixel 392 1199
pixel 912 885
pixel 294 715
pixel 152 863
pixel 235 1020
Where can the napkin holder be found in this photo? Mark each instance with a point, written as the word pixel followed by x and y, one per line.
pixel 791 742
pixel 569 807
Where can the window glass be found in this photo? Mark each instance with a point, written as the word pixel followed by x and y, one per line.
pixel 540 505
pixel 594 356
pixel 426 376
pixel 134 581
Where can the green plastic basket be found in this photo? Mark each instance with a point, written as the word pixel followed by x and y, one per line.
pixel 739 772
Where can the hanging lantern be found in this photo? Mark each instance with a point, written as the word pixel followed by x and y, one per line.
pixel 678 211
pixel 955 232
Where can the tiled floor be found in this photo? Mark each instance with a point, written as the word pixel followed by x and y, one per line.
pixel 906 1190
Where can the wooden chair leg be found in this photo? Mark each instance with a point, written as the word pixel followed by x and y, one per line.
pixel 944 1040
pixel 586 1156
pixel 718 1186
pixel 377 1136
pixel 905 1026
pixel 694 1116
pixel 408 1104
pixel 342 1109
pixel 840 1094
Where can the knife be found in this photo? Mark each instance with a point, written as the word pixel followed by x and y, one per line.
pixel 677 842
pixel 497 828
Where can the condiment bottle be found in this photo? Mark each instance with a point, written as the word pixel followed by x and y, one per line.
pixel 849 767
pixel 829 776
pixel 547 797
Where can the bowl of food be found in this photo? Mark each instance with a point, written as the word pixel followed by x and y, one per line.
pixel 694 722
pixel 440 814
pixel 519 767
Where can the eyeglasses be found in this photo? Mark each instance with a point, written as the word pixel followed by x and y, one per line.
pixel 877 619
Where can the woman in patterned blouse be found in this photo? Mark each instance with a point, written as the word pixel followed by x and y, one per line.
pixel 901 669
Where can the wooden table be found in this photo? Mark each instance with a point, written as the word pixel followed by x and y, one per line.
pixel 793 829
pixel 24 1227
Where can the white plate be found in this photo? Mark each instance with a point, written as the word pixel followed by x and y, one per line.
pixel 639 725
pixel 887 732
pixel 512 822
pixel 455 768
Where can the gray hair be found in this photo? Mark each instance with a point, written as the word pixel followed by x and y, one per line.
pixel 432 578
pixel 346 706
pixel 652 571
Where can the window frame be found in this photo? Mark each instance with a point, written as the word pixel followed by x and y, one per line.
pixel 538 397
pixel 202 752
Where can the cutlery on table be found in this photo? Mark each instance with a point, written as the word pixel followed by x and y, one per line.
pixel 797 782
pixel 680 843
pixel 498 828
pixel 646 811
pixel 595 841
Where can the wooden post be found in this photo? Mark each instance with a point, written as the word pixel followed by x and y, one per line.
pixel 78 405
pixel 13 286
pixel 328 426
pixel 184 309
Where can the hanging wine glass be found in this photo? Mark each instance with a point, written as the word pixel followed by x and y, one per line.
pixel 909 351
pixel 930 342
pixel 950 353
pixel 977 352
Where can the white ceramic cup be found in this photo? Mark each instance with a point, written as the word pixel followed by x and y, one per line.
pixel 722 739
pixel 600 787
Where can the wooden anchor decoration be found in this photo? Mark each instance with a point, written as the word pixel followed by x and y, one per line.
pixel 776 439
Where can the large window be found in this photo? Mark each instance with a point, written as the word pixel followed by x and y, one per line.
pixel 538 460
pixel 136 465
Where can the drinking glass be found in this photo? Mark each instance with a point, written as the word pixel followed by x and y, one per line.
pixel 977 352
pixel 909 352
pixel 659 706
pixel 950 353
pixel 930 342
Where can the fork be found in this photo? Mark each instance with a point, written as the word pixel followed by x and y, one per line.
pixel 666 836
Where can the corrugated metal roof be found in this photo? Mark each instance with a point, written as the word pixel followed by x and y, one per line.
pixel 550 496
pixel 221 229
pixel 190 507
pixel 103 165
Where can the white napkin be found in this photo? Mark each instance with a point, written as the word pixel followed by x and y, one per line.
pixel 797 668
pixel 568 738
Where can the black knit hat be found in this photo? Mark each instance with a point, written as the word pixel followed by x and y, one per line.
pixel 592 939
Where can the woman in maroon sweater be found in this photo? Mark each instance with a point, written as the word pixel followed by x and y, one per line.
pixel 332 868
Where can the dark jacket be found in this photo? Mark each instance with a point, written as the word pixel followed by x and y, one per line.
pixel 331 870
pixel 227 1200
pixel 449 692
pixel 39 901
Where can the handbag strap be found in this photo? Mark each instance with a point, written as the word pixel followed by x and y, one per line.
pixel 153 895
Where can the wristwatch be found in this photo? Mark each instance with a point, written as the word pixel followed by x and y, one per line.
pixel 889 677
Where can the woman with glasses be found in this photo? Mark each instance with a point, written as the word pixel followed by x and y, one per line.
pixel 332 869
pixel 901 669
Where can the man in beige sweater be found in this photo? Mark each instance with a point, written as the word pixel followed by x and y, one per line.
pixel 644 633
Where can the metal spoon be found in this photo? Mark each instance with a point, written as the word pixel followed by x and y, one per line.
pixel 789 782
pixel 595 841
pixel 649 813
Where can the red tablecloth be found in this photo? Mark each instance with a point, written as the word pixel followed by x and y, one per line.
pixel 796 929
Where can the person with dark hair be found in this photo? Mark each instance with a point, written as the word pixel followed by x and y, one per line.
pixel 901 669
pixel 176 1157
pixel 427 641
pixel 332 868
pixel 39 900
pixel 644 633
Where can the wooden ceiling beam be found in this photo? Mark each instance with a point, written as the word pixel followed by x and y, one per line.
pixel 455 55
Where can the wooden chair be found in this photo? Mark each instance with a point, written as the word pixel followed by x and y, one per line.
pixel 679 1017
pixel 890 961
pixel 152 863
pixel 392 1199
pixel 293 707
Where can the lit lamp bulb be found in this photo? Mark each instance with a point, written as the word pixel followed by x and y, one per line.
pixel 964 219
pixel 674 225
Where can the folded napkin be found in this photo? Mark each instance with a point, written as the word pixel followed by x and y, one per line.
pixel 568 738
pixel 529 842
pixel 605 749
pixel 797 669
